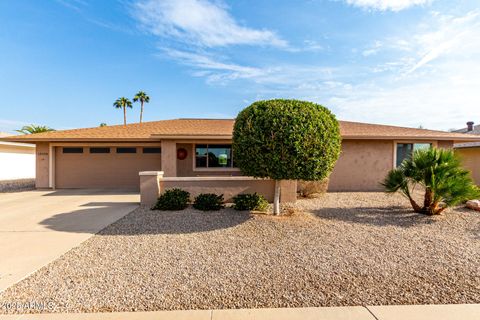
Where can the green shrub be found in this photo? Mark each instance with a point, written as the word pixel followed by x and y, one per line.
pixel 172 199
pixel 312 189
pixel 208 202
pixel 250 201
pixel 437 171
pixel 286 140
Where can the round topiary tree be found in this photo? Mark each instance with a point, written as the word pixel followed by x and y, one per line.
pixel 286 140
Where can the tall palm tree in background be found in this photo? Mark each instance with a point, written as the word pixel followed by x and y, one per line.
pixel 143 98
pixel 123 103
pixel 34 129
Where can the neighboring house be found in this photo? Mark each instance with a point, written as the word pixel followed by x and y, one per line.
pixel 17 160
pixel 470 151
pixel 112 157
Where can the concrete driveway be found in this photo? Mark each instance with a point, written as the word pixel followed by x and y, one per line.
pixel 36 227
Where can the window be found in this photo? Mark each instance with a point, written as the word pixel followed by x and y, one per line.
pixel 152 150
pixel 405 150
pixel 72 150
pixel 99 150
pixel 213 156
pixel 126 150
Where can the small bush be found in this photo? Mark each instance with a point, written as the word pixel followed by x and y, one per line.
pixel 173 199
pixel 251 201
pixel 208 202
pixel 312 189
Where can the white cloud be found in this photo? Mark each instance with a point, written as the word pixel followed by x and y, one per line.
pixel 457 36
pixel 373 49
pixel 199 22
pixel 384 5
pixel 428 77
pixel 433 81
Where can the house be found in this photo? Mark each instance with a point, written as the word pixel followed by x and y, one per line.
pixel 17 160
pixel 113 156
pixel 470 151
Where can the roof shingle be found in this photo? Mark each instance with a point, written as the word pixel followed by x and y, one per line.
pixel 216 128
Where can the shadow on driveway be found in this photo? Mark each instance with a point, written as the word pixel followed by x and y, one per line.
pixel 143 221
pixel 91 220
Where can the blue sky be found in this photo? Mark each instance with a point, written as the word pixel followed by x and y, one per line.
pixel 402 62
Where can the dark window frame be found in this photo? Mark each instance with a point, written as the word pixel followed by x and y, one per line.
pixel 152 150
pixel 207 160
pixel 70 150
pixel 99 150
pixel 126 150
pixel 413 148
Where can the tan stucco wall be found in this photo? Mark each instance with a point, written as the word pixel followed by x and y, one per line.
pixel 149 187
pixel 471 161
pixel 230 188
pixel 362 165
pixel 42 165
pixel 169 156
pixel 185 167
pixel 103 170
pixel 445 144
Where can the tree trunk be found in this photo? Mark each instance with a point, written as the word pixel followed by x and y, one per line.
pixel 141 111
pixel 434 209
pixel 415 206
pixel 276 198
pixel 427 201
pixel 124 116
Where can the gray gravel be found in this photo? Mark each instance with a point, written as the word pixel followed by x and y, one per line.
pixel 342 249
pixel 16 185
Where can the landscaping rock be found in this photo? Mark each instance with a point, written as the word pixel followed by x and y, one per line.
pixel 473 204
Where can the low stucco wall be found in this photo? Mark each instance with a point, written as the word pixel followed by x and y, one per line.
pixel 471 161
pixel 231 186
pixel 152 184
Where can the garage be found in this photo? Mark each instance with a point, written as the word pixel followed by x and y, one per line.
pixel 104 166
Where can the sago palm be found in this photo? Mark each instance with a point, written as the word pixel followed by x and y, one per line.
pixel 34 129
pixel 440 173
pixel 143 98
pixel 123 103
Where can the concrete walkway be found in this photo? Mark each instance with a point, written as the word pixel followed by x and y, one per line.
pixel 417 312
pixel 37 227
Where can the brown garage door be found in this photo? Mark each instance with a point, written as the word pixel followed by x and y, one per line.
pixel 104 167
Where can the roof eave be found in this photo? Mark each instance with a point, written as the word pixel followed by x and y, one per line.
pixel 35 140
pixel 192 136
pixel 441 138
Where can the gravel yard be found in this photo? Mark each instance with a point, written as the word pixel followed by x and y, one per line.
pixel 340 249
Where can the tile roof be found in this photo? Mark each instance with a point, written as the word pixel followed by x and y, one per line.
pixel 222 128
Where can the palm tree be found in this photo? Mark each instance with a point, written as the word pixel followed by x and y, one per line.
pixel 143 98
pixel 123 103
pixel 34 129
pixel 440 173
